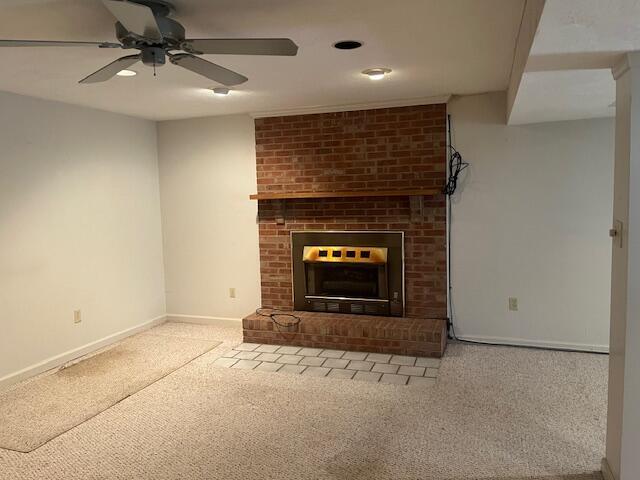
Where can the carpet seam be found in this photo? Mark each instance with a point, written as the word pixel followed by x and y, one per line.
pixel 116 403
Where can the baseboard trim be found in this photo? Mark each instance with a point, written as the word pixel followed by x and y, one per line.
pixel 61 359
pixel 606 470
pixel 520 342
pixel 204 320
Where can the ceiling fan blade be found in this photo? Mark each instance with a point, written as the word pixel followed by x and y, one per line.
pixel 136 18
pixel 108 72
pixel 46 43
pixel 242 46
pixel 207 69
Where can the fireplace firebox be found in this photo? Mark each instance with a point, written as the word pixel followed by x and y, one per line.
pixel 349 272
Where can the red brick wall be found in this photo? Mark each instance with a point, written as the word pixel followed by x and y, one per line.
pixel 384 149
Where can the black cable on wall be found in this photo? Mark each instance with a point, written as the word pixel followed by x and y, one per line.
pixel 456 166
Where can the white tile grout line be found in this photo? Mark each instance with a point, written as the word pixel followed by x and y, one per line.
pixel 245 357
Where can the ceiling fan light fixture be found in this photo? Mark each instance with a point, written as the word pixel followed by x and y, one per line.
pixel 221 91
pixel 376 73
pixel 127 73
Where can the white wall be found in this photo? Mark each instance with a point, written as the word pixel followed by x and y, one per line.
pixel 531 221
pixel 207 172
pixel 79 228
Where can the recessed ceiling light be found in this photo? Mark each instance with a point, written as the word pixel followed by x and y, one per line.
pixel 376 73
pixel 126 73
pixel 221 91
pixel 347 44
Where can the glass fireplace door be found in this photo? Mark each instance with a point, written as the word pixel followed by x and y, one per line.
pixel 343 280
pixel 346 279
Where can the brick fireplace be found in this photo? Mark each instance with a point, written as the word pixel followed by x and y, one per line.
pixel 368 171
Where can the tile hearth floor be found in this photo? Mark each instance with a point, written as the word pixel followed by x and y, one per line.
pixel 318 362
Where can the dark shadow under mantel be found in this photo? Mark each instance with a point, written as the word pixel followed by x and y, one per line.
pixel 346 194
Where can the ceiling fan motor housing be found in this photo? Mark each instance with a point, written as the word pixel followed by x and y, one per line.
pixel 172 32
pixel 153 56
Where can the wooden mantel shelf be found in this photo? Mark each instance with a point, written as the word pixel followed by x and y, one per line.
pixel 345 194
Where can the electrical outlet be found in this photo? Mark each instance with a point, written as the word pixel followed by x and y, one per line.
pixel 513 304
pixel 232 292
pixel 77 316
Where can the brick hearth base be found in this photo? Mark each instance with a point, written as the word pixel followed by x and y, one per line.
pixel 401 336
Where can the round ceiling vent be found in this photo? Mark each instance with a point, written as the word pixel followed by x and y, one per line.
pixel 347 45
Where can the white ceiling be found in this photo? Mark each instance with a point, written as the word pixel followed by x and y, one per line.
pixel 564 95
pixel 434 47
pixel 568 73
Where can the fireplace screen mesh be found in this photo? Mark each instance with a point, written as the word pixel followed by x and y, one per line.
pixel 342 280
pixel 346 272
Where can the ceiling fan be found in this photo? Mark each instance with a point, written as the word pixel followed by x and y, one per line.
pixel 144 25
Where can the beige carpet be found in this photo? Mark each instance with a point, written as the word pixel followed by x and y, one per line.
pixel 495 413
pixel 36 411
